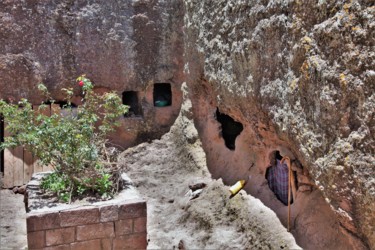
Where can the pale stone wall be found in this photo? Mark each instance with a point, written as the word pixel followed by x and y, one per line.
pixel 298 75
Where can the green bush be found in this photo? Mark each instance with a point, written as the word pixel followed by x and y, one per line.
pixel 74 144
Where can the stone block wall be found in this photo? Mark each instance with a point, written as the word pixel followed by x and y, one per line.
pixel 119 223
pixel 105 227
pixel 115 226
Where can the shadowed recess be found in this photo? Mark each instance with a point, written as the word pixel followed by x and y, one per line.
pixel 277 177
pixel 230 129
pixel 130 98
pixel 162 95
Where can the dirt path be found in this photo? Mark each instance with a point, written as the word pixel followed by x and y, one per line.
pixel 162 171
pixel 12 221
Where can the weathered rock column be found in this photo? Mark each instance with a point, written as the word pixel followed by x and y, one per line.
pixel 297 75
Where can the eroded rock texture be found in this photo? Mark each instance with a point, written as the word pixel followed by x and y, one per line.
pixel 120 45
pixel 299 76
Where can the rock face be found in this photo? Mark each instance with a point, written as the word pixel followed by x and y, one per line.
pixel 264 76
pixel 120 45
pixel 299 76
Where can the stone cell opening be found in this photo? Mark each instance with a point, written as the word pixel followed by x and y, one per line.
pixel 60 107
pixel 1 140
pixel 64 105
pixel 162 95
pixel 230 129
pixel 61 104
pixel 277 175
pixel 130 98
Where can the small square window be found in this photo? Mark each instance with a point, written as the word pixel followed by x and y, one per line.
pixel 162 95
pixel 130 98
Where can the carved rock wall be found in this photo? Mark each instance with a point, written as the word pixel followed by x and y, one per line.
pixel 120 45
pixel 299 76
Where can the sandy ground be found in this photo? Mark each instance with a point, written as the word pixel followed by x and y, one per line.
pixel 162 171
pixel 12 221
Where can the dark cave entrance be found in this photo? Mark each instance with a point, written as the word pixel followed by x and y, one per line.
pixel 277 175
pixel 61 104
pixel 65 105
pixel 130 98
pixel 230 129
pixel 62 108
pixel 2 140
pixel 162 95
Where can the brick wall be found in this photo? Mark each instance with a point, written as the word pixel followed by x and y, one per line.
pixel 114 226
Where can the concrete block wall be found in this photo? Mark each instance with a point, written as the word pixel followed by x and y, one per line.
pixel 114 226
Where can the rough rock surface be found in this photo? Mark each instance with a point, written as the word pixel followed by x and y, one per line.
pixel 163 171
pixel 120 45
pixel 299 76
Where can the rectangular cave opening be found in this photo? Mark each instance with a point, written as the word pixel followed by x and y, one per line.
pixel 162 95
pixel 230 129
pixel 278 174
pixel 61 104
pixel 1 140
pixel 63 108
pixel 130 98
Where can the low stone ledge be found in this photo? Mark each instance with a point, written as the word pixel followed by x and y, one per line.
pixel 114 224
pixel 95 231
pixel 50 221
pixel 140 225
pixel 108 213
pixel 60 236
pixel 79 216
pixel 133 241
pixel 124 227
pixel 132 209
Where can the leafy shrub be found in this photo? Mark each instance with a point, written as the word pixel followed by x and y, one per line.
pixel 74 144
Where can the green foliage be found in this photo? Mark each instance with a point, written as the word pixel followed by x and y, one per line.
pixel 73 144
pixel 104 184
pixel 56 183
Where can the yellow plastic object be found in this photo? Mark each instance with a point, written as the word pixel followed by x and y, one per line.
pixel 237 187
